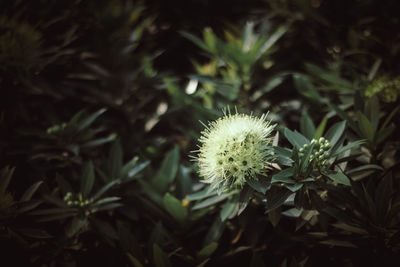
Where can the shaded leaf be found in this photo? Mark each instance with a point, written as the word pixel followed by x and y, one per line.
pixel 87 179
pixel 160 258
pixel 206 252
pixel 175 208
pixel 86 122
pixel 168 170
pixel 30 191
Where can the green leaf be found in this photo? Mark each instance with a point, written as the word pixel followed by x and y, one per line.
pixel 76 224
pixel 104 189
pixel 272 39
pixel 129 166
pixel 133 260
pixel 56 217
pixel 294 187
pixel 305 86
pixel 215 232
pixel 365 126
pixel 206 252
pixel 389 118
pixel 372 109
pixel 260 185
pixel 160 258
pixel 283 176
pixel 195 40
pixel 133 172
pixel 212 200
pixel 175 208
pixel 105 228
pixel 295 138
pixel 100 141
pixel 321 127
pixel 305 160
pixel 205 193
pixel 30 191
pixel 348 146
pixel 282 155
pixel 168 170
pixel 274 216
pixel 339 177
pixel 229 208
pixel 87 179
pixel 268 86
pixel 105 201
pixel 277 199
pixel 210 39
pixel 307 126
pixel 338 214
pixel 335 132
pixel 86 122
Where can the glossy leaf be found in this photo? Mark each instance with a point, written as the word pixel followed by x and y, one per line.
pixel 339 177
pixel 295 138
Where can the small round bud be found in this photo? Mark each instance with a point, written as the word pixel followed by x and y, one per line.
pixel 321 140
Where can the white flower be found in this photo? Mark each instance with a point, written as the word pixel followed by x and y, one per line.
pixel 233 150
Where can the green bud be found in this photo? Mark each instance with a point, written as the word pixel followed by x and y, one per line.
pixel 321 140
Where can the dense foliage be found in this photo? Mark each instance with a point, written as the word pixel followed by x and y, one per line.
pixel 105 104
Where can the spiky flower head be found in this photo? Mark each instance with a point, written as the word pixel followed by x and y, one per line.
pixel 233 150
